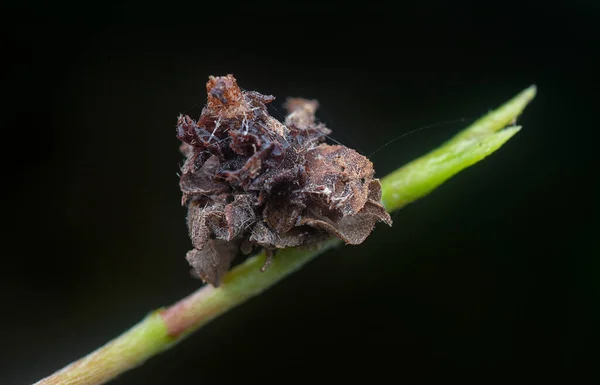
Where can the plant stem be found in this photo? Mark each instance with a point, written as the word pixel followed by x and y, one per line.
pixel 241 283
pixel 165 327
pixel 127 351
pixel 421 176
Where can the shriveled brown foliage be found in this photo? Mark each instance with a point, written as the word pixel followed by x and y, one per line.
pixel 251 181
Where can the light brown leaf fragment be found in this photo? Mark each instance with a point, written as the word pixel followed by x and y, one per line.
pixel 213 261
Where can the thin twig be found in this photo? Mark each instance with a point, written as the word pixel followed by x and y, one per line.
pixel 164 328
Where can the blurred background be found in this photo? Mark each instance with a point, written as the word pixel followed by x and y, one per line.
pixel 496 269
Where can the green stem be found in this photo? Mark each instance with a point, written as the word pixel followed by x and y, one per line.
pixel 241 283
pixel 125 352
pixel 483 137
pixel 164 328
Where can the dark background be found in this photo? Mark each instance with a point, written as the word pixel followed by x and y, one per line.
pixel 496 269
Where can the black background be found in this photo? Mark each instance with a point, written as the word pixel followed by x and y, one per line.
pixel 497 269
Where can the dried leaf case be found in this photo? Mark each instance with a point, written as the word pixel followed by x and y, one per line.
pixel 251 181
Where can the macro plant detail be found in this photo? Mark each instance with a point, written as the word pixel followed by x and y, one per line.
pixel 250 182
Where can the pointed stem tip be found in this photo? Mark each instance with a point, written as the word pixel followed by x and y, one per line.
pixel 507 113
pixel 500 118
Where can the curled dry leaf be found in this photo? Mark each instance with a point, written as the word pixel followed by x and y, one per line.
pixel 251 181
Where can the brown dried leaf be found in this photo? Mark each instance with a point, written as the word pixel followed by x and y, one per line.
pixel 281 215
pixel 202 220
pixel 341 175
pixel 201 182
pixel 351 229
pixel 213 261
pixel 264 236
pixel 239 215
